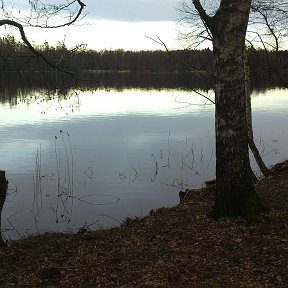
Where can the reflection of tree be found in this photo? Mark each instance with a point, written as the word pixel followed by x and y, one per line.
pixel 31 83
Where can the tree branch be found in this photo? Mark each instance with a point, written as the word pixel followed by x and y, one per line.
pixel 159 41
pixel 57 9
pixel 162 43
pixel 207 20
pixel 31 48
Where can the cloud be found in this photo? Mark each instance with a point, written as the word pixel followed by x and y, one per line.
pixel 132 10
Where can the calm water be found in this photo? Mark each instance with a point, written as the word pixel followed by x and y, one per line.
pixel 101 156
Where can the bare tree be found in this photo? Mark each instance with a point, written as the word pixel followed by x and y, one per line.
pixel 267 15
pixel 226 26
pixel 268 24
pixel 268 30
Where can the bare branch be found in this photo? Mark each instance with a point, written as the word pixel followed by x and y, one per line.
pixel 202 13
pixel 30 46
pixel 57 9
pixel 43 15
pixel 158 41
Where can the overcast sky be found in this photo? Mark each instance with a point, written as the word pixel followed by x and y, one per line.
pixel 117 24
pixel 133 10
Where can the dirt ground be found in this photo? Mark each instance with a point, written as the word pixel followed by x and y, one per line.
pixel 172 247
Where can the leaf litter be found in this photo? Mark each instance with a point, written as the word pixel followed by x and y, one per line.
pixel 171 247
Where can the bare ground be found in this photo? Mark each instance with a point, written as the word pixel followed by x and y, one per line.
pixel 172 247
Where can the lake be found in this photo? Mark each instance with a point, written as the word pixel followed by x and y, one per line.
pixel 91 158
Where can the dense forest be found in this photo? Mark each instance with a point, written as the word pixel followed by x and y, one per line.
pixel 15 56
pixel 185 69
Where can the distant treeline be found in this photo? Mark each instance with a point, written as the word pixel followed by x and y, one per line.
pixel 15 56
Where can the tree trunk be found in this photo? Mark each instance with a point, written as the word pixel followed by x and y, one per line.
pixel 235 192
pixel 263 168
pixel 3 193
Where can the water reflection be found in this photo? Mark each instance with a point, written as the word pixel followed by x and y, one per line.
pixel 52 83
pixel 103 103
pixel 100 156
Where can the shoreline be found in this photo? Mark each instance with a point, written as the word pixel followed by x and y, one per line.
pixel 171 247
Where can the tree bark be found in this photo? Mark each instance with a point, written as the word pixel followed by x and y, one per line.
pixel 3 193
pixel 235 192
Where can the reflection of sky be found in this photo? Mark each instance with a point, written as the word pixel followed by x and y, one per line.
pixel 16 122
pixel 114 134
pixel 104 104
pixel 23 152
pixel 273 100
pixel 113 103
